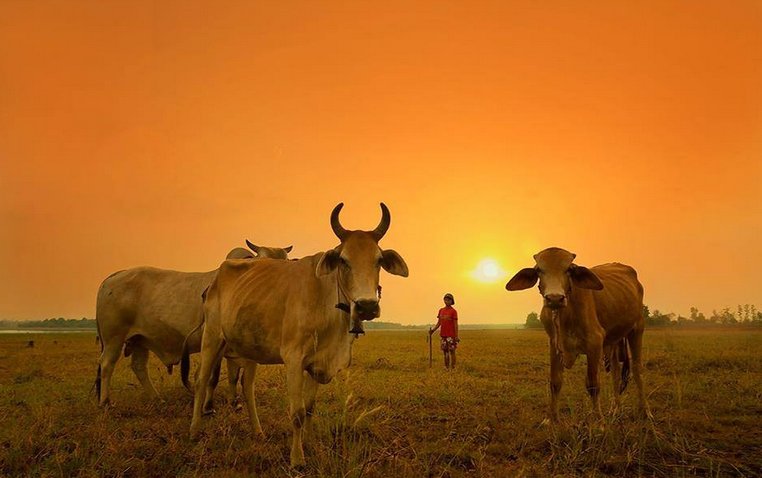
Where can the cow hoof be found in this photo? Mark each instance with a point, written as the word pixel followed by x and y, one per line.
pixel 298 462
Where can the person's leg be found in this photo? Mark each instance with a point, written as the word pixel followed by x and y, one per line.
pixel 452 358
pixel 443 347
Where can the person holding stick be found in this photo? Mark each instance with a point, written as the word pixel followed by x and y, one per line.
pixel 447 319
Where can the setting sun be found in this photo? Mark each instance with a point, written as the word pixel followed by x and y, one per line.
pixel 488 270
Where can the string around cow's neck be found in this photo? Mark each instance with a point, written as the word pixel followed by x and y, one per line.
pixel 357 328
pixel 559 339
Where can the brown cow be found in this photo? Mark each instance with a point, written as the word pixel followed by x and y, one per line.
pixel 148 309
pixel 304 314
pixel 596 312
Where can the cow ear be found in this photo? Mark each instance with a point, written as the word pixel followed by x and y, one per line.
pixel 253 247
pixel 288 249
pixel 328 263
pixel 584 278
pixel 524 279
pixel 393 263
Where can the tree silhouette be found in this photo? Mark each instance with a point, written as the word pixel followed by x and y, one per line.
pixel 533 320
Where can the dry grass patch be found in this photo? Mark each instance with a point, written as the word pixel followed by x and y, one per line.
pixel 392 416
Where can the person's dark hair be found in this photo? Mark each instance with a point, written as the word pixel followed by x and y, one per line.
pixel 450 296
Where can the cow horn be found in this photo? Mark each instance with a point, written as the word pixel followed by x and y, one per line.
pixel 253 247
pixel 383 226
pixel 336 224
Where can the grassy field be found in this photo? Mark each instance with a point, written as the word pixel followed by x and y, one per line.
pixel 392 416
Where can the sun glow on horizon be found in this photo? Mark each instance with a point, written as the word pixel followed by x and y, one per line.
pixel 488 270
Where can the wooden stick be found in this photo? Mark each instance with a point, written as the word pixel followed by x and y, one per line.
pixel 431 351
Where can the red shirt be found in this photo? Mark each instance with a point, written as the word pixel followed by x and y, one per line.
pixel 447 317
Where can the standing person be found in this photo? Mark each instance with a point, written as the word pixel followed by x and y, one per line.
pixel 447 319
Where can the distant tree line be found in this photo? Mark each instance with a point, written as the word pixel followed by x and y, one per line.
pixel 744 314
pixel 376 324
pixel 59 323
pixel 85 323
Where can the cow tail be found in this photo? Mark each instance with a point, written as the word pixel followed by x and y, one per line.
pixel 216 375
pixel 185 360
pixel 185 368
pixel 100 359
pixel 624 356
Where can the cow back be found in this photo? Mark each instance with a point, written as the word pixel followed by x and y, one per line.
pixel 160 306
pixel 619 305
pixel 270 308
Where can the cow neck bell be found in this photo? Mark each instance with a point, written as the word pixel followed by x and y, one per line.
pixel 357 328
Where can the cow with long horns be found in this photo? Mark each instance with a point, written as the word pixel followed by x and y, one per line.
pixel 148 309
pixel 303 314
pixel 597 312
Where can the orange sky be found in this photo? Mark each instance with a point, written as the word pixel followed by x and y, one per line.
pixel 165 133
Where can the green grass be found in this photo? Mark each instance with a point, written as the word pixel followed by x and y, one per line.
pixel 392 416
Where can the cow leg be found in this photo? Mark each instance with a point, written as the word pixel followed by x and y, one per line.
pixel 111 352
pixel 594 356
pixel 635 340
pixel 234 371
pixel 212 348
pixel 215 380
pixel 616 375
pixel 139 364
pixel 297 412
pixel 310 392
pixel 249 372
pixel 556 381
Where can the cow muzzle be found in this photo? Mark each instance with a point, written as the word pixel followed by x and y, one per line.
pixel 366 309
pixel 555 301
